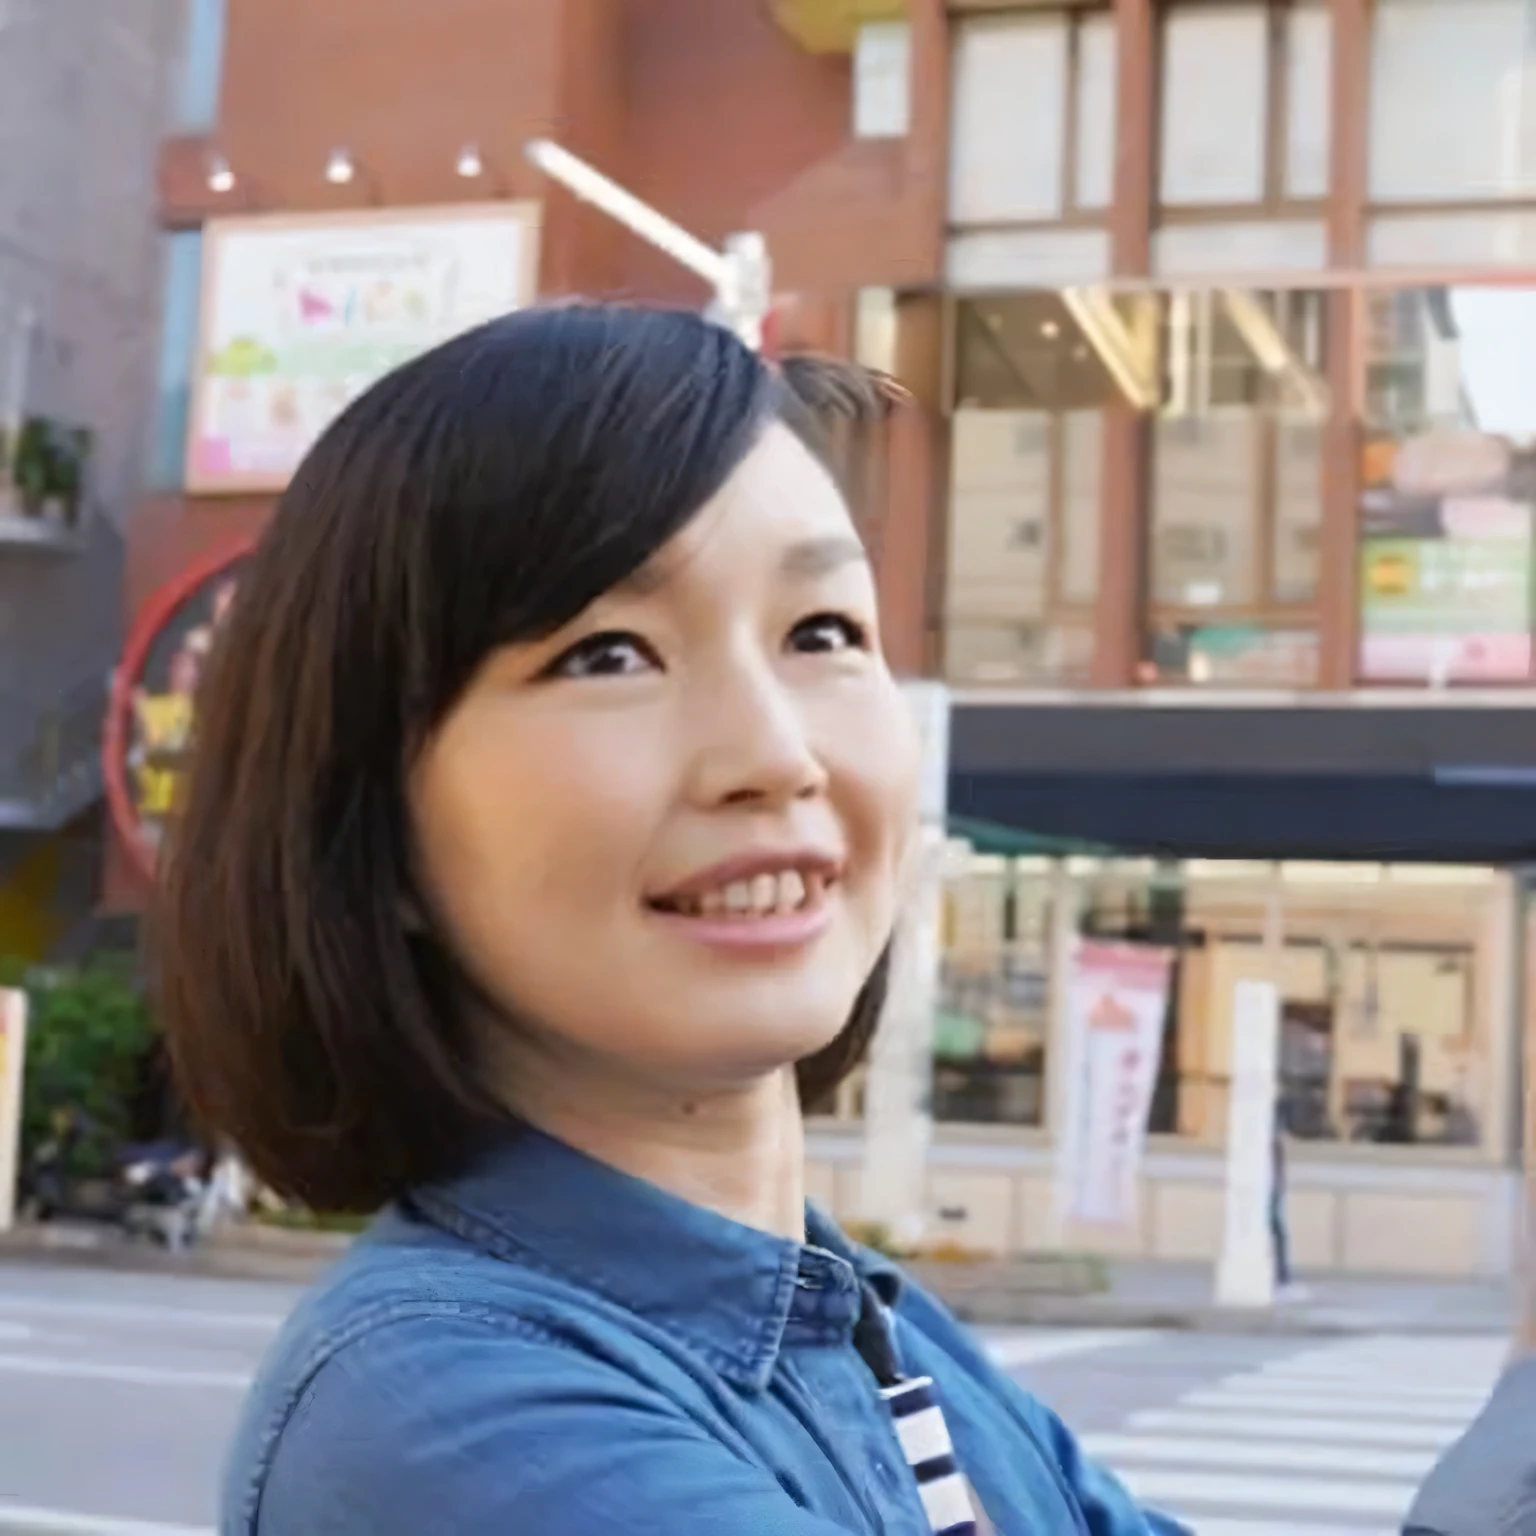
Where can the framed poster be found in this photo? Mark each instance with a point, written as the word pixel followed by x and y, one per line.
pixel 301 314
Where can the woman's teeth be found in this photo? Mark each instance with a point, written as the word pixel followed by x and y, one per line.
pixel 761 896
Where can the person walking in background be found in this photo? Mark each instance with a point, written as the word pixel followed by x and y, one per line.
pixel 1277 1229
pixel 539 858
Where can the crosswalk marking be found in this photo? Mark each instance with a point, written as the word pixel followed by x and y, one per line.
pixel 1289 1528
pixel 1272 1455
pixel 1330 1496
pixel 1333 1440
pixel 1389 1402
pixel 1270 1426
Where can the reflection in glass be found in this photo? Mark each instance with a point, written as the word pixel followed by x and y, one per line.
pixel 993 1020
pixel 1448 500
pixel 1237 486
pixel 1025 464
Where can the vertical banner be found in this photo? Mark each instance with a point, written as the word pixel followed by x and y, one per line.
pixel 1245 1276
pixel 13 1053
pixel 1117 999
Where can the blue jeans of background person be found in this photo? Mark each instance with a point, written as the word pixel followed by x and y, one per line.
pixel 1280 1237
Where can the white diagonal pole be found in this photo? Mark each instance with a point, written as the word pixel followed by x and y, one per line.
pixel 740 274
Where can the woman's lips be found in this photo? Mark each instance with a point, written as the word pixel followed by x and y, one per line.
pixel 769 910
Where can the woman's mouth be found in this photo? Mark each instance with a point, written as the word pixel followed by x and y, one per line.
pixel 771 909
pixel 763 895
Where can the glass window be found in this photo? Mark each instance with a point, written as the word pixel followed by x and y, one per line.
pixel 179 316
pixel 1082 459
pixel 882 97
pixel 1381 983
pixel 1237 489
pixel 1308 100
pixel 1453 100
pixel 993 1022
pixel 1205 511
pixel 1448 548
pixel 875 328
pixel 1215 104
pixel 196 105
pixel 1097 94
pixel 1025 468
pixel 1298 510
pixel 1009 97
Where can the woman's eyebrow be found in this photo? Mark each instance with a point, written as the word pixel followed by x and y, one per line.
pixel 804 560
pixel 818 557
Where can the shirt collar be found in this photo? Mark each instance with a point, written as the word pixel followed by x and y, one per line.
pixel 730 1292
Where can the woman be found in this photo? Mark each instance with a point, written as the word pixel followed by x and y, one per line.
pixel 539 859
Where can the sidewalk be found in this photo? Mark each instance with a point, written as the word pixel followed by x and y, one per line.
pixel 1139 1295
pixel 1180 1296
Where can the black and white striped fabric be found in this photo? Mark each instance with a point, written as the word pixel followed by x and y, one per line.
pixel 924 1438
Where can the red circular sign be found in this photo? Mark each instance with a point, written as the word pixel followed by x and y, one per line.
pixel 149 719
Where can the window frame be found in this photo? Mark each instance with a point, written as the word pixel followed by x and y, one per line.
pixel 1073 213
pixel 1275 200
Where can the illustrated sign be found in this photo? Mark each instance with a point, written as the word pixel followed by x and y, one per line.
pixel 149 725
pixel 1446 563
pixel 300 315
pixel 1117 1000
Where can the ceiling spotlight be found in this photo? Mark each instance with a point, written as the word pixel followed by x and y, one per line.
pixel 1050 330
pixel 470 164
pixel 221 178
pixel 339 169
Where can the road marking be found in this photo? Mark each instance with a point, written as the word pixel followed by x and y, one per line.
pixel 1470 1398
pixel 1425 1379
pixel 21 1517
pixel 1332 1496
pixel 1387 1404
pixel 137 1375
pixel 1269 1426
pixel 1257 1456
pixel 260 1322
pixel 1269 1528
pixel 1011 1350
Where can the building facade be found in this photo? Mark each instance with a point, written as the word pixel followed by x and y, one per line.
pixel 85 90
pixel 1214 503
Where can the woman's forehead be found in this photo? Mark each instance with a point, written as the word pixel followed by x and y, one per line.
pixel 780 512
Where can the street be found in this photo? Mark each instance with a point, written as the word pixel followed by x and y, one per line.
pixel 117 1394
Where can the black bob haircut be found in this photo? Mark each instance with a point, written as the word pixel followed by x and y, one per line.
pixel 483 493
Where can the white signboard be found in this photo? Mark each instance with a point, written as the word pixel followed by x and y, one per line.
pixel 13 1055
pixel 1245 1276
pixel 301 314
pixel 1117 1000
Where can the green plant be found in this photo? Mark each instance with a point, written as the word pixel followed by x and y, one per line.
pixel 88 1030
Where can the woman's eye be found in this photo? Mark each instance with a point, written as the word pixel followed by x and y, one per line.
pixel 828 632
pixel 611 655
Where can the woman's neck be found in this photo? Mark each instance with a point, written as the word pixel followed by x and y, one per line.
pixel 738 1152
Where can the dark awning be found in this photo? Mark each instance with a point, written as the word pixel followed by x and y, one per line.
pixel 1450 785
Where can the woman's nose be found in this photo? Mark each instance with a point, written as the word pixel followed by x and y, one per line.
pixel 753 745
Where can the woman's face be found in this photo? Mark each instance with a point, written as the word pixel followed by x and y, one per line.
pixel 667 839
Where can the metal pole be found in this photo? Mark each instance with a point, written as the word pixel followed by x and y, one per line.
pixel 740 275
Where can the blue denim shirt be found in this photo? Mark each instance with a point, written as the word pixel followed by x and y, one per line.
pixel 548 1347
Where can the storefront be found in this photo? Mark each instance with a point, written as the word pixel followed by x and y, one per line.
pixel 1399 993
